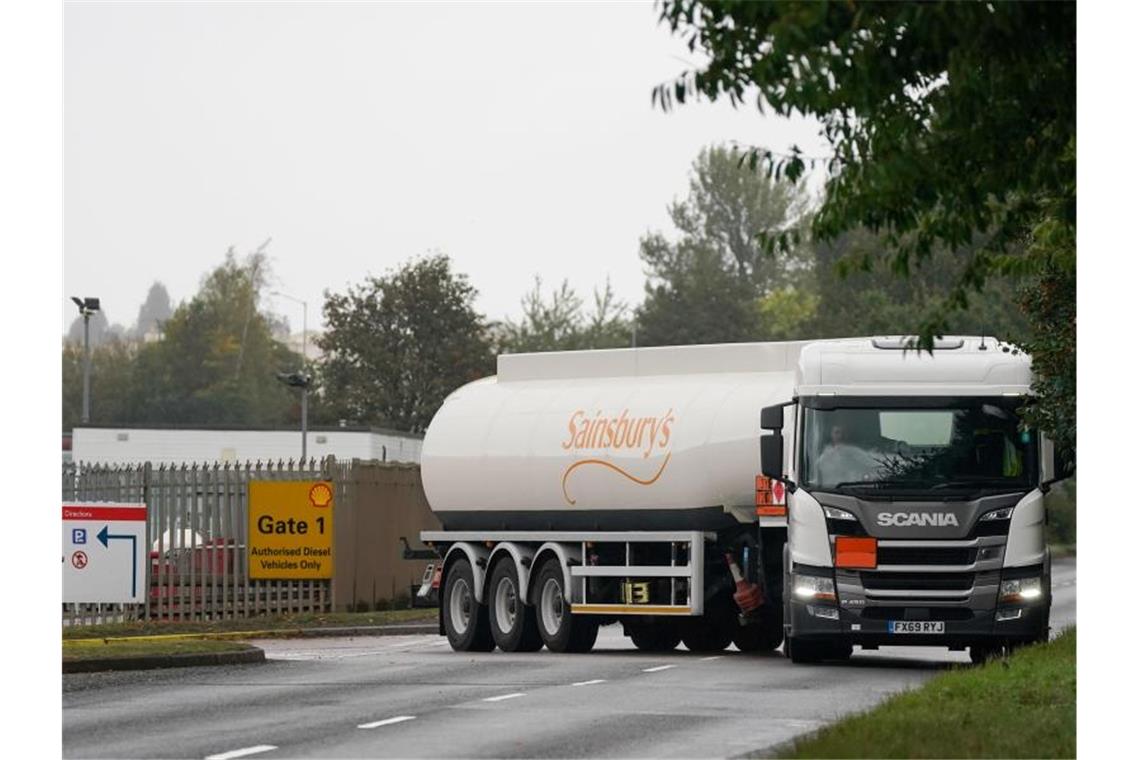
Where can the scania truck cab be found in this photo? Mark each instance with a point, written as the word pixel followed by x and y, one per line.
pixel 915 498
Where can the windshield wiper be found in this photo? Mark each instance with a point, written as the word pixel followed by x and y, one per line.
pixel 877 483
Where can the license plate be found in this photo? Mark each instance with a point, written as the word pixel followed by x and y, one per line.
pixel 916 626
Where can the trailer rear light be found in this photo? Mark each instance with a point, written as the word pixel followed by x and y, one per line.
pixel 858 553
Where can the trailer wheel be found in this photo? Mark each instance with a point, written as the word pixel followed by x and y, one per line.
pixel 560 630
pixel 464 619
pixel 513 622
pixel 656 637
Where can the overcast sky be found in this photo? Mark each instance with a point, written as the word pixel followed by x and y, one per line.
pixel 517 139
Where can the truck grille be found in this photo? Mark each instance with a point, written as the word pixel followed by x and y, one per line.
pixel 907 555
pixel 917 581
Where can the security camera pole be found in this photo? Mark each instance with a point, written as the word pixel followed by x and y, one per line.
pixel 87 307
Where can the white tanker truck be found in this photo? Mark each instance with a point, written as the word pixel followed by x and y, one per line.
pixel 895 499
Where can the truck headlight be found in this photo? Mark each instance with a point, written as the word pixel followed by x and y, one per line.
pixel 1020 590
pixel 814 587
pixel 837 514
pixel 997 514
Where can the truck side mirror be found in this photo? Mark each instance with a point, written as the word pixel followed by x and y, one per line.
pixel 772 455
pixel 772 417
pixel 1063 469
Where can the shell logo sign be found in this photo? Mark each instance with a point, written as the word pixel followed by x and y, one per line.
pixel 622 434
pixel 320 495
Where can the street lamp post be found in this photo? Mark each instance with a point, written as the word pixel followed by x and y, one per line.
pixel 300 379
pixel 87 307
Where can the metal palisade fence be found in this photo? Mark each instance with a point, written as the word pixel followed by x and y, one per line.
pixel 197 521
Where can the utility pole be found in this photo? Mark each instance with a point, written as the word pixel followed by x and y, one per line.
pixel 87 307
pixel 300 379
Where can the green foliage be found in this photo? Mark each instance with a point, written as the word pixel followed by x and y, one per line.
pixel 397 345
pixel 1024 705
pixel 951 126
pixel 706 286
pixel 788 314
pixel 215 364
pixel 217 361
pixel 559 324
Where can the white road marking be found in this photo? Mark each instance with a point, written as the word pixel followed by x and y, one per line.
pixel 501 697
pixel 589 683
pixel 241 752
pixel 387 721
pixel 658 668
pixel 714 657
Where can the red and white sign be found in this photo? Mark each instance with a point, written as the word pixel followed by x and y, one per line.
pixel 104 552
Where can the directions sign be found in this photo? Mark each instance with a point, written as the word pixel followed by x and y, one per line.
pixel 290 529
pixel 104 552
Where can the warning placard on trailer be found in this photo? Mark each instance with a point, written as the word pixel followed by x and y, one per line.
pixel 104 552
pixel 290 529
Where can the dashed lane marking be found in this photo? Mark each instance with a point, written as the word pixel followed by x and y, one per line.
pixel 589 683
pixel 714 657
pixel 387 721
pixel 658 668
pixel 501 697
pixel 241 752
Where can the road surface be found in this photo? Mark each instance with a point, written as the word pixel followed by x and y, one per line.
pixel 411 696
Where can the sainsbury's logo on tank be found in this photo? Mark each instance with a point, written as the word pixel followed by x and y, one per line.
pixel 601 432
pixel 618 434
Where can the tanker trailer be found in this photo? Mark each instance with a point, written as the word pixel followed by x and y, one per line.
pixel 582 488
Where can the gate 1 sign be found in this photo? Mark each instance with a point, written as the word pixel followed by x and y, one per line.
pixel 290 529
pixel 104 552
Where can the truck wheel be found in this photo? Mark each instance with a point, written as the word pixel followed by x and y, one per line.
pixel 464 619
pixel 560 630
pixel 513 624
pixel 659 637
pixel 706 634
pixel 802 652
pixel 762 636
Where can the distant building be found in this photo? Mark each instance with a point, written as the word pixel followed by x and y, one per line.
pixel 135 445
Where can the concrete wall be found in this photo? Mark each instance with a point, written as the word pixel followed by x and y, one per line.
pixel 93 445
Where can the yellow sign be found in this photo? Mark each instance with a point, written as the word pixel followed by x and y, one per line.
pixel 290 529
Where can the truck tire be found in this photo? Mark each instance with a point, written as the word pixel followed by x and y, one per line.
pixel 513 622
pixel 464 619
pixel 656 637
pixel 764 635
pixel 560 630
pixel 707 634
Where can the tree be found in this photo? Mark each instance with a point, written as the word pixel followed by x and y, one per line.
pixel 560 325
pixel 397 345
pixel 950 125
pixel 705 286
pixel 99 330
pixel 113 396
pixel 154 311
pixel 217 361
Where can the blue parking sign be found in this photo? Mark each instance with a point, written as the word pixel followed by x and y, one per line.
pixel 79 535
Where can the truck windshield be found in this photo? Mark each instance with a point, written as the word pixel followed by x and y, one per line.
pixel 965 444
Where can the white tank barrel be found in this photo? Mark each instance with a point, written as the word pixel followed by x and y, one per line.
pixel 651 438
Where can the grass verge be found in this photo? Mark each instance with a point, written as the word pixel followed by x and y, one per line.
pixel 100 650
pixel 1021 706
pixel 280 623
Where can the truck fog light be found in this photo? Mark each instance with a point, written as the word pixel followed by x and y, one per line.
pixel 1003 615
pixel 827 613
pixel 814 587
pixel 1021 590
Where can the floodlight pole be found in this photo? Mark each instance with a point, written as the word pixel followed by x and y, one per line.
pixel 87 307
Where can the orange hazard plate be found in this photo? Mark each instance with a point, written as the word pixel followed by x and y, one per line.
pixel 856 552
